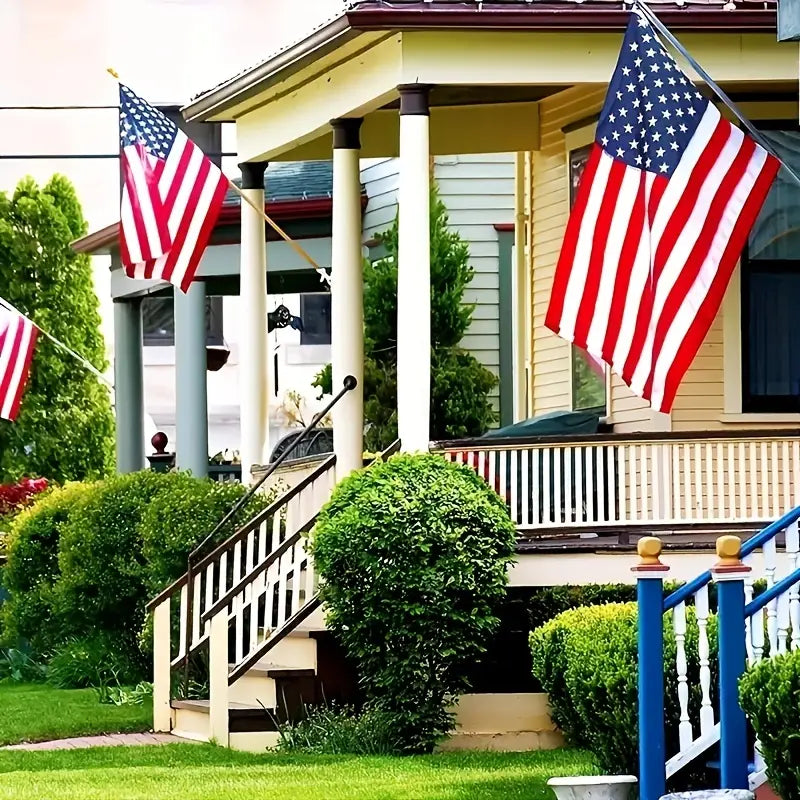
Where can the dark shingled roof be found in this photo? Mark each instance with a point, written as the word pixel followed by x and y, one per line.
pixel 293 180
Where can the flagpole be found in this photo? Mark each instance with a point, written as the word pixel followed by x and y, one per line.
pixel 647 12
pixel 274 225
pixel 277 228
pixel 85 362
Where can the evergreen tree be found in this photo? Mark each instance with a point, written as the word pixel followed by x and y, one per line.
pixel 65 427
pixel 460 384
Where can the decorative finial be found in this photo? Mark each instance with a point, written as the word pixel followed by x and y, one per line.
pixel 159 442
pixel 729 551
pixel 649 549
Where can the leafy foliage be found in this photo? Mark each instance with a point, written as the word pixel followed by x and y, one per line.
pixel 769 695
pixel 460 385
pixel 65 427
pixel 413 554
pixel 84 560
pixel 17 666
pixel 340 731
pixel 586 660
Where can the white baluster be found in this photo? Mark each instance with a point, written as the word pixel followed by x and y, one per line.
pixel 675 510
pixel 196 595
pixel 702 613
pixel 709 472
pixel 720 482
pixel 622 481
pixel 645 486
pixel 752 480
pixel 580 493
pixel 558 455
pixel 688 502
pixel 770 551
pixel 299 557
pixel 741 478
pixel 685 725
pixel 569 507
pixel 263 535
pixel 238 602
pixel 600 483
pixel 183 620
pixel 796 471
pixel 209 600
pixel 611 464
pixel 633 472
pixel 547 494
pixel 731 483
pixel 775 480
pixel 525 520
pixel 514 478
pixel 786 478
pixel 793 556
pixel 536 463
pixel 503 487
pixel 764 480
pixel 748 631
pixel 783 622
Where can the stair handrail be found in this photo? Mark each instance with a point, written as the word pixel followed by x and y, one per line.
pixel 348 384
pixel 225 601
pixel 748 548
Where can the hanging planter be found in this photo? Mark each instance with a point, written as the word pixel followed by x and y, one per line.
pixel 216 357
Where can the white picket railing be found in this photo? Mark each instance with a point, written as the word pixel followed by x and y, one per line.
pixel 774 557
pixel 614 481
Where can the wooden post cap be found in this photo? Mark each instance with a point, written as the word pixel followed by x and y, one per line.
pixel 649 549
pixel 729 551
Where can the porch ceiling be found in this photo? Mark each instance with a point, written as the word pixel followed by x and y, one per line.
pixel 488 85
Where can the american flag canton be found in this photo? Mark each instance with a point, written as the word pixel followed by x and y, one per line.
pixel 652 109
pixel 141 124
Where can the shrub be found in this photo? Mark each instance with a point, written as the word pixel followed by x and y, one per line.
pixel 96 660
pixel 32 567
pixel 17 666
pixel 340 731
pixel 770 695
pixel 586 660
pixel 413 554
pixel 176 521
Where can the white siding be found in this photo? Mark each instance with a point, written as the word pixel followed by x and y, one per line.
pixel 478 192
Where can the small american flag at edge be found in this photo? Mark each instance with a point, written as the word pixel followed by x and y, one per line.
pixel 171 195
pixel 665 204
pixel 17 341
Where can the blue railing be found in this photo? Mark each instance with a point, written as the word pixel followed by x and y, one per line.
pixel 745 626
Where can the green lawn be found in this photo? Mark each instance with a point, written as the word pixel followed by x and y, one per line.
pixel 203 772
pixel 37 713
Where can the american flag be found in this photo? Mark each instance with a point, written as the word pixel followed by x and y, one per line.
pixel 17 341
pixel 665 205
pixel 171 195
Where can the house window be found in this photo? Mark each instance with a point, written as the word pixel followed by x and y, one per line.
pixel 770 290
pixel 158 321
pixel 315 311
pixel 588 374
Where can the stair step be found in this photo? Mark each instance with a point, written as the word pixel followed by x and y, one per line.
pixel 242 718
pixel 266 670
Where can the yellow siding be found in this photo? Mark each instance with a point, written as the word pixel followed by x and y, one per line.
pixel 548 199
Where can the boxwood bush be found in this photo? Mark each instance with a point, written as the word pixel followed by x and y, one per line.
pixel 586 660
pixel 84 560
pixel 770 695
pixel 413 555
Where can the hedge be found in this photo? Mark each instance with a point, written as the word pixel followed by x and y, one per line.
pixel 770 695
pixel 84 560
pixel 586 660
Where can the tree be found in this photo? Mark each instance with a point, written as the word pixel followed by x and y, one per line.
pixel 460 384
pixel 65 427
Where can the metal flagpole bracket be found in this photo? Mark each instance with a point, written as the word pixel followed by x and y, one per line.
pixel 644 9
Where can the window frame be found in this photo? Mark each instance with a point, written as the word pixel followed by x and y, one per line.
pixel 760 404
pixel 214 323
pixel 303 333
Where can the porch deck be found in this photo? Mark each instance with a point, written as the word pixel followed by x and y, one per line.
pixel 606 491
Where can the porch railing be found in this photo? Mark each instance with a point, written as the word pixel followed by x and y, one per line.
pixel 611 481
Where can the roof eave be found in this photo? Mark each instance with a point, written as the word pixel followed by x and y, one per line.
pixel 321 42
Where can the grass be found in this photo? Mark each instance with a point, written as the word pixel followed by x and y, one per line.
pixel 38 713
pixel 204 772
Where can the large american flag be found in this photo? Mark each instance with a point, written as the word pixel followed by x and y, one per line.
pixel 665 205
pixel 17 342
pixel 171 195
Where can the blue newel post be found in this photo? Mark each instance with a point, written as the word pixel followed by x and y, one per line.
pixel 650 574
pixel 729 574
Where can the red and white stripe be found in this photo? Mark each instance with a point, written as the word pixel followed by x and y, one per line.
pixel 17 342
pixel 646 260
pixel 168 211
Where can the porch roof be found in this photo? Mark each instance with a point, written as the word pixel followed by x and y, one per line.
pixel 295 192
pixel 362 17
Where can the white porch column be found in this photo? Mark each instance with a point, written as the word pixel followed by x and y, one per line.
pixel 414 272
pixel 347 299
pixel 254 342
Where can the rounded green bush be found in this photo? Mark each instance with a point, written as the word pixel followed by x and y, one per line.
pixel 586 660
pixel 770 695
pixel 32 567
pixel 413 555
